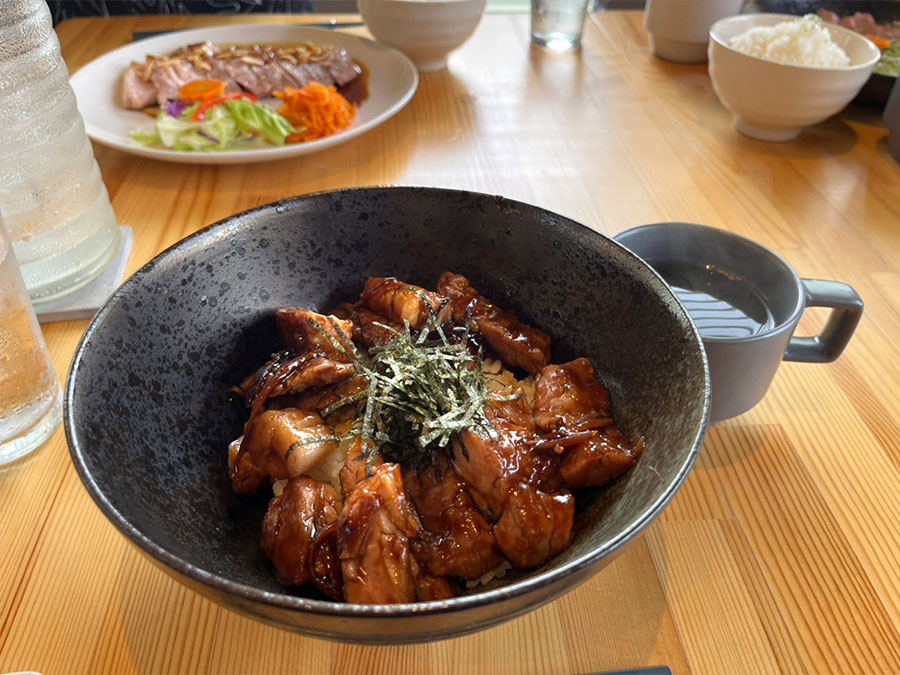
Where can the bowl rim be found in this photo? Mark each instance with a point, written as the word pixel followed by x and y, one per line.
pixel 869 63
pixel 284 601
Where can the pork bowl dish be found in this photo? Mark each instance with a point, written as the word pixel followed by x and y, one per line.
pixel 387 415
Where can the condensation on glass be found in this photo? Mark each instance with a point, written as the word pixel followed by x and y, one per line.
pixel 30 395
pixel 52 197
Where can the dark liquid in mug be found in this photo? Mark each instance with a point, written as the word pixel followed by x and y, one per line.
pixel 720 303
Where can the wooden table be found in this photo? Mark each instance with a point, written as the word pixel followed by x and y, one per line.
pixel 782 550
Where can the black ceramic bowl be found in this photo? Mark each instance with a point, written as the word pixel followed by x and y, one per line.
pixel 148 417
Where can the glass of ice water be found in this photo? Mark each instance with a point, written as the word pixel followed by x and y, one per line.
pixel 557 24
pixel 54 201
pixel 30 395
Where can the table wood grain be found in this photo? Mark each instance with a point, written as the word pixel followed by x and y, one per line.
pixel 780 553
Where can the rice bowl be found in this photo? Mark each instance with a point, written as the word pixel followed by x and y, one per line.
pixel 773 101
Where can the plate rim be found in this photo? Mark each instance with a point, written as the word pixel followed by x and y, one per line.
pixel 98 134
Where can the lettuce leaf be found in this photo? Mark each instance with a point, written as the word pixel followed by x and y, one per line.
pixel 145 137
pixel 890 60
pixel 259 117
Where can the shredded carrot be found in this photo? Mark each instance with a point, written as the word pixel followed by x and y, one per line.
pixel 879 42
pixel 316 110
pixel 201 90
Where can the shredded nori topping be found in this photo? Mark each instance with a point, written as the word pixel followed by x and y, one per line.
pixel 423 387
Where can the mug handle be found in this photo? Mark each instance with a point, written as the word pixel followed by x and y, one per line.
pixel 847 311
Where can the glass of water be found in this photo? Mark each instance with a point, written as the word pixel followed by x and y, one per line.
pixel 30 395
pixel 52 196
pixel 557 24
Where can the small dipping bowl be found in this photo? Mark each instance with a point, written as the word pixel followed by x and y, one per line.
pixel 746 302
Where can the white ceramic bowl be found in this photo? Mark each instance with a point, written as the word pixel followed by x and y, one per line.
pixel 425 30
pixel 679 29
pixel 773 102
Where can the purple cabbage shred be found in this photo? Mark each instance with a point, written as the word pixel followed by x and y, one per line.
pixel 176 106
pixel 208 136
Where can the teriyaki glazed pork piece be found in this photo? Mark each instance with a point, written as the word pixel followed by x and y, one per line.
pixel 418 443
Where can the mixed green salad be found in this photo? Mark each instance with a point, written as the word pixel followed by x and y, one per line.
pixel 890 60
pixel 225 123
pixel 204 118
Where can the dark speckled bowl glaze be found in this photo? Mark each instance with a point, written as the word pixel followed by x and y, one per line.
pixel 148 417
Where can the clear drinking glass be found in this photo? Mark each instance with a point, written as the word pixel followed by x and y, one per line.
pixel 30 395
pixel 54 201
pixel 557 24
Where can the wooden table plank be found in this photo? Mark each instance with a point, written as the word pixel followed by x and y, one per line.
pixel 824 592
pixel 709 601
pixel 780 552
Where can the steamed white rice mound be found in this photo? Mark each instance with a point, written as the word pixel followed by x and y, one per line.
pixel 799 42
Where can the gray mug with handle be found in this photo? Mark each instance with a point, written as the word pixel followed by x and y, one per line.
pixel 746 302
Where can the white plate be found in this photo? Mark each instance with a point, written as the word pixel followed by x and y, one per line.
pixel 392 82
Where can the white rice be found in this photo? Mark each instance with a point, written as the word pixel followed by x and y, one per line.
pixel 498 379
pixel 497 573
pixel 278 486
pixel 799 42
